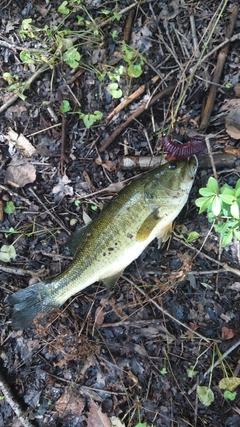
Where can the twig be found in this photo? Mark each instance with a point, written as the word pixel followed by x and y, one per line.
pixel 224 355
pixel 211 158
pixel 165 312
pixel 218 72
pixel 22 272
pixel 63 144
pixel 13 403
pixel 134 115
pixel 24 88
pixel 194 35
pixel 129 99
pixel 12 193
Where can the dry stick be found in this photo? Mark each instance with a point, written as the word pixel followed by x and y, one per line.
pixel 211 158
pixel 134 115
pixel 63 144
pixel 218 72
pixel 146 162
pixel 12 193
pixel 22 272
pixel 26 87
pixel 224 355
pixel 165 312
pixel 129 99
pixel 8 395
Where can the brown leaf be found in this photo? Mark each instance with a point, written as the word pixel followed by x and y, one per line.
pixel 20 173
pixel 96 418
pixel 227 333
pixel 70 402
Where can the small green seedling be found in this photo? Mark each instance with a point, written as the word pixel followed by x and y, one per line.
pixel 9 208
pixel 223 208
pixel 89 119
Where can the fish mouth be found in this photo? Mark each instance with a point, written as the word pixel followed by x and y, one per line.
pixel 192 166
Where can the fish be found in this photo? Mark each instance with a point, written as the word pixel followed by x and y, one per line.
pixel 142 211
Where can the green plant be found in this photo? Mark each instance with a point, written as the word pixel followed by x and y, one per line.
pixel 223 208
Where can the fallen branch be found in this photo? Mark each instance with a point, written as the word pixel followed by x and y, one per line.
pixel 8 395
pixel 217 74
pixel 145 162
pixel 134 115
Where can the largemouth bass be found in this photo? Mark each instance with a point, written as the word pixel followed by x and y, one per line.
pixel 142 211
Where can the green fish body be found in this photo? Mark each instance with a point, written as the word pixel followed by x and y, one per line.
pixel 142 211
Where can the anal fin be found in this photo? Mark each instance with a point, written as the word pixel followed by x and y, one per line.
pixel 110 281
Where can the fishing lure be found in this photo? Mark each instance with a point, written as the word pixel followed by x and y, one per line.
pixel 182 151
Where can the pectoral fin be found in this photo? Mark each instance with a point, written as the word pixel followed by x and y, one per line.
pixel 147 226
pixel 164 234
pixel 74 240
pixel 109 282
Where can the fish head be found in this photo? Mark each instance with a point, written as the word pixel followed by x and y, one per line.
pixel 171 182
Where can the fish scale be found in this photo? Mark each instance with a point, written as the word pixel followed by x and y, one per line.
pixel 142 211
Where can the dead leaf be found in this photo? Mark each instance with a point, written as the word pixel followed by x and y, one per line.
pixel 232 122
pixel 227 333
pixel 229 104
pixel 20 173
pixel 62 189
pixel 99 316
pixel 115 422
pixel 96 418
pixel 70 402
pixel 24 146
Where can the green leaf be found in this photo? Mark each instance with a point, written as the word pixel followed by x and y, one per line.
pixel 203 203
pixel 63 9
pixel 229 395
pixel 237 234
pixel 65 106
pixel 73 221
pixel 7 253
pixel 26 57
pixel 235 210
pixel 212 185
pixel 227 239
pixel 88 120
pixel 191 373
pixel 229 199
pixel 9 208
pixel 115 91
pixel 2 397
pixel 163 371
pixel 117 16
pixel 192 236
pixel 205 395
pixel 216 206
pixel 72 57
pixel 134 70
pixel 206 192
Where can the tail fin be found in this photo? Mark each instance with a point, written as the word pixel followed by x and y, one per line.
pixel 28 303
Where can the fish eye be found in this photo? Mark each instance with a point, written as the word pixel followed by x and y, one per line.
pixel 172 164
